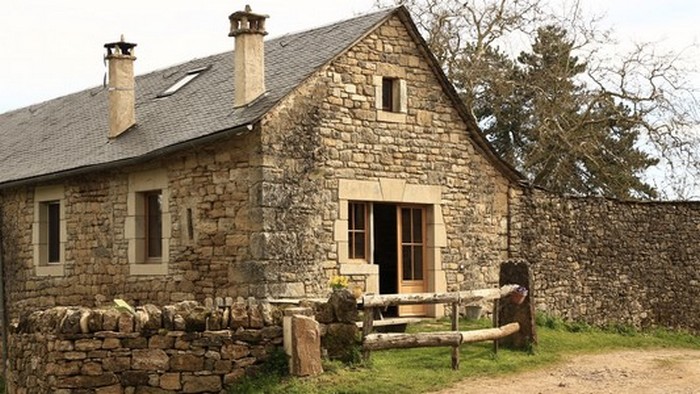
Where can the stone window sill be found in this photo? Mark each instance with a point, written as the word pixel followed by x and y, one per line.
pixel 391 117
pixel 359 269
pixel 50 270
pixel 148 269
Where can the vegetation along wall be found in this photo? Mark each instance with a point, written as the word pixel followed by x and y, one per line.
pixel 605 261
pixel 181 348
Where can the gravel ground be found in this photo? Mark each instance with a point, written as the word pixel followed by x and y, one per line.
pixel 655 371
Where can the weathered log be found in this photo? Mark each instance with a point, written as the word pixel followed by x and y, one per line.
pixel 489 333
pixel 435 339
pixel 463 297
pixel 401 341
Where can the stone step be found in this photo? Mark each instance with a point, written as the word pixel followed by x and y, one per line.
pixel 394 321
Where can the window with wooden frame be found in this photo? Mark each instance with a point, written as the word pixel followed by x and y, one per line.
pixel 153 225
pixel 412 243
pixel 51 221
pixel 358 230
pixel 389 96
pixel 148 223
pixel 49 230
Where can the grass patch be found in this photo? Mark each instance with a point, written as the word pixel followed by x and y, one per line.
pixel 420 370
pixel 270 376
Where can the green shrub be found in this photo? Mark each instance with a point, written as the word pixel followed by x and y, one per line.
pixel 543 319
pixel 622 329
pixel 269 376
pixel 579 326
pixel 277 363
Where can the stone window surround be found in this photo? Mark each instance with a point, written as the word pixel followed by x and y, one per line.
pixel 43 194
pixel 400 93
pixel 395 191
pixel 140 182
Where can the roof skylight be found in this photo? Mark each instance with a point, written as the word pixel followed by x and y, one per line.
pixel 192 74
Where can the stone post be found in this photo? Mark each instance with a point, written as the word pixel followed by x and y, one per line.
pixel 287 325
pixel 306 347
pixel 340 339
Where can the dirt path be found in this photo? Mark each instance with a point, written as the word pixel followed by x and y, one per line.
pixel 655 371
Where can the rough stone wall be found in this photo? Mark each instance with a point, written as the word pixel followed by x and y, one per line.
pixel 329 130
pixel 264 204
pixel 605 261
pixel 214 182
pixel 182 348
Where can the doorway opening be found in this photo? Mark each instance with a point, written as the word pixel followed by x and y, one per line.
pixel 386 252
pixel 396 243
pixel 399 251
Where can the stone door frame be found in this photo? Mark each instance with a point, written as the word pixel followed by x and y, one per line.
pixel 394 191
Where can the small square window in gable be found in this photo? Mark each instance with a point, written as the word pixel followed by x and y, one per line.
pixel 391 98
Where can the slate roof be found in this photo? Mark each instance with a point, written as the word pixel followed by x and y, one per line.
pixel 69 133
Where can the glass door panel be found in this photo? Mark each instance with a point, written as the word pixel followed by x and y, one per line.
pixel 411 255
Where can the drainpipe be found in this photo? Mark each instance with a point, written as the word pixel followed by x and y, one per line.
pixel 3 320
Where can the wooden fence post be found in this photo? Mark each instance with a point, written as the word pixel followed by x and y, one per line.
pixel 455 327
pixel 367 324
pixel 496 308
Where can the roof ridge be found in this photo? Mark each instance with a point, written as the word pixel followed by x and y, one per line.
pixel 272 40
pixel 386 10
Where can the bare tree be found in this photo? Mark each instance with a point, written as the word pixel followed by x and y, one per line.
pixel 640 102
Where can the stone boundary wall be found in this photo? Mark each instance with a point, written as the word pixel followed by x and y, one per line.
pixel 181 348
pixel 605 261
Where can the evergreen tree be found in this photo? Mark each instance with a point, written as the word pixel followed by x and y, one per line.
pixel 571 124
pixel 562 135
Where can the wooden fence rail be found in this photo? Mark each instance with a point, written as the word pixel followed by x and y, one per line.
pixel 452 338
pixel 435 339
pixel 463 297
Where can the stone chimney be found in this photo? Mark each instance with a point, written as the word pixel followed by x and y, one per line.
pixel 249 56
pixel 120 56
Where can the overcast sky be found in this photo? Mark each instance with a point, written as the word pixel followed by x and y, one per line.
pixel 54 47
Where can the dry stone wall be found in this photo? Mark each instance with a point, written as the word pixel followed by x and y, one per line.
pixel 181 348
pixel 604 261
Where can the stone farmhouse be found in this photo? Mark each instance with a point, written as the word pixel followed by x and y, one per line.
pixel 266 171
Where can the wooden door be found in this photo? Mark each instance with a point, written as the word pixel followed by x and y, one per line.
pixel 412 255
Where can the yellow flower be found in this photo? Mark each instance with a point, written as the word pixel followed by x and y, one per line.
pixel 339 282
